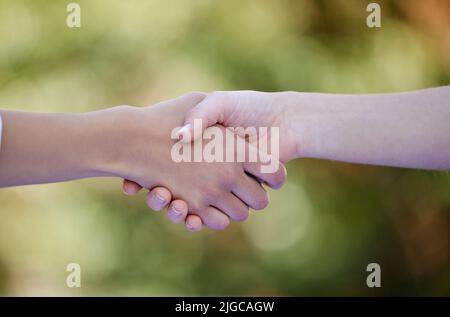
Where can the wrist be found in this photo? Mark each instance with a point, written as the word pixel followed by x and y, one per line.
pixel 110 139
pixel 305 117
pixel 294 122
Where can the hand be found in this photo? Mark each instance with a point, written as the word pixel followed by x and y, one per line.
pixel 221 191
pixel 244 109
pixel 231 109
pixel 336 127
pixel 382 129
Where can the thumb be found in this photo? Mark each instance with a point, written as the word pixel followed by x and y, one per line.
pixel 205 114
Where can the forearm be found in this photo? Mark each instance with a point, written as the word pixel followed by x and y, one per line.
pixel 43 148
pixel 404 130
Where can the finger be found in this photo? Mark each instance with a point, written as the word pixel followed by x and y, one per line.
pixel 251 192
pixel 214 218
pixel 209 111
pixel 194 223
pixel 274 180
pixel 232 206
pixel 177 211
pixel 130 188
pixel 158 198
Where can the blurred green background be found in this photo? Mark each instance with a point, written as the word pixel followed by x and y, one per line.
pixel 320 231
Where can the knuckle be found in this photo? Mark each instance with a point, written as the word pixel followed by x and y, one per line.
pixel 195 95
pixel 197 206
pixel 210 195
pixel 216 94
pixel 228 177
pixel 193 113
pixel 220 96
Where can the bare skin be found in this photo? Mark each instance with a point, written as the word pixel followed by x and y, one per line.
pixel 409 130
pixel 134 144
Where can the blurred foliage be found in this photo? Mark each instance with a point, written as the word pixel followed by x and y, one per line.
pixel 320 231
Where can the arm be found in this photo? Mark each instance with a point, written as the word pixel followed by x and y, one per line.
pixel 43 148
pixel 132 143
pixel 404 130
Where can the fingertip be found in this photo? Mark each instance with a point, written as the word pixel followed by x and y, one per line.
pixel 177 211
pixel 277 179
pixel 130 188
pixel 194 223
pixel 215 219
pixel 158 198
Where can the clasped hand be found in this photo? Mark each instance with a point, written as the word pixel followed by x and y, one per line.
pixel 197 193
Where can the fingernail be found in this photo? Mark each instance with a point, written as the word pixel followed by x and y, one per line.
pixel 160 199
pixel 190 227
pixel 182 133
pixel 175 212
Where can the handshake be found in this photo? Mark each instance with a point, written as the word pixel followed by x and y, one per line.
pixel 219 158
pixel 207 156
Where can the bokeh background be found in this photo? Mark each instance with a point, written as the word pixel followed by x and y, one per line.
pixel 320 231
